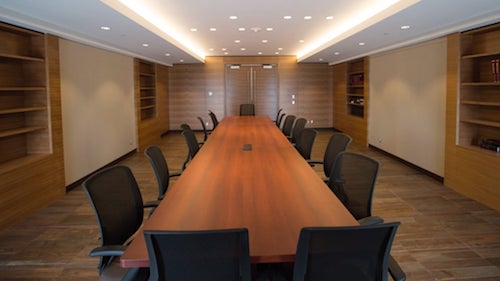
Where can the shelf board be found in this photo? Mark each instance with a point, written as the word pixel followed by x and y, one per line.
pixel 21 162
pixel 480 55
pixel 356 104
pixel 356 86
pixel 483 103
pixel 19 57
pixel 23 109
pixel 147 88
pixel 480 149
pixel 147 97
pixel 147 107
pixel 20 131
pixel 482 122
pixel 356 73
pixel 21 89
pixel 147 74
pixel 481 84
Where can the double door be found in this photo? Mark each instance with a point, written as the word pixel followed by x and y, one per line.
pixel 251 83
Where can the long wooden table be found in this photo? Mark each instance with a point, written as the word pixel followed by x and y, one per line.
pixel 247 174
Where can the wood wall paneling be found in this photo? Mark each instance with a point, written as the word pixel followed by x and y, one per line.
pixel 190 86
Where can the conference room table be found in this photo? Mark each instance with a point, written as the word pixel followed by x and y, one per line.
pixel 247 174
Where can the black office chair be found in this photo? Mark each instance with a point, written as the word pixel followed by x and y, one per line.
pixel 199 255
pixel 305 142
pixel 288 125
pixel 298 127
pixel 160 168
pixel 204 128
pixel 247 109
pixel 358 253
pixel 117 202
pixel 337 143
pixel 352 180
pixel 215 121
pixel 192 144
pixel 278 116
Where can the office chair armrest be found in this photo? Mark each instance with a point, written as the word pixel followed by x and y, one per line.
pixel 175 175
pixel 314 162
pixel 151 204
pixel 110 250
pixel 395 270
pixel 372 220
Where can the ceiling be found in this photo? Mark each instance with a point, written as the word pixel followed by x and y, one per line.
pixel 172 31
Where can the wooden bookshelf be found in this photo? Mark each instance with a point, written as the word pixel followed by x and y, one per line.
pixel 24 120
pixel 355 91
pixel 472 113
pixel 479 99
pixel 147 88
pixel 350 99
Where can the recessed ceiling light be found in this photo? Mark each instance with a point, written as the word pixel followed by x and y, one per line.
pixel 105 28
pixel 243 49
pixel 193 29
pixel 167 54
pixel 213 29
pixel 336 53
pixel 226 53
pixel 145 45
pixel 241 29
pixel 280 49
pixel 211 49
pixel 287 17
pixel 237 41
pixel 320 59
pixel 361 43
pixel 301 41
pixel 223 49
pixel 329 18
pixel 233 17
pixel 405 27
pixel 181 60
pixel 269 29
pixel 259 53
pixel 308 17
pixel 264 41
pixel 276 53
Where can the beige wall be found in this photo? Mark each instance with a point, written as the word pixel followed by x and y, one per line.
pixel 97 108
pixel 408 104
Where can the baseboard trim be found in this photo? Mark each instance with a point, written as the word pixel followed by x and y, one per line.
pixel 114 162
pixel 409 164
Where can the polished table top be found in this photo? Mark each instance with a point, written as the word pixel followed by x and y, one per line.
pixel 247 174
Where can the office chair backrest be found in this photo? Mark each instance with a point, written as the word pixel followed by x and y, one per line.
pixel 358 253
pixel 337 143
pixel 117 202
pixel 305 142
pixel 191 142
pixel 298 127
pixel 353 180
pixel 204 128
pixel 199 255
pixel 247 109
pixel 278 116
pixel 288 125
pixel 280 120
pixel 215 122
pixel 160 168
